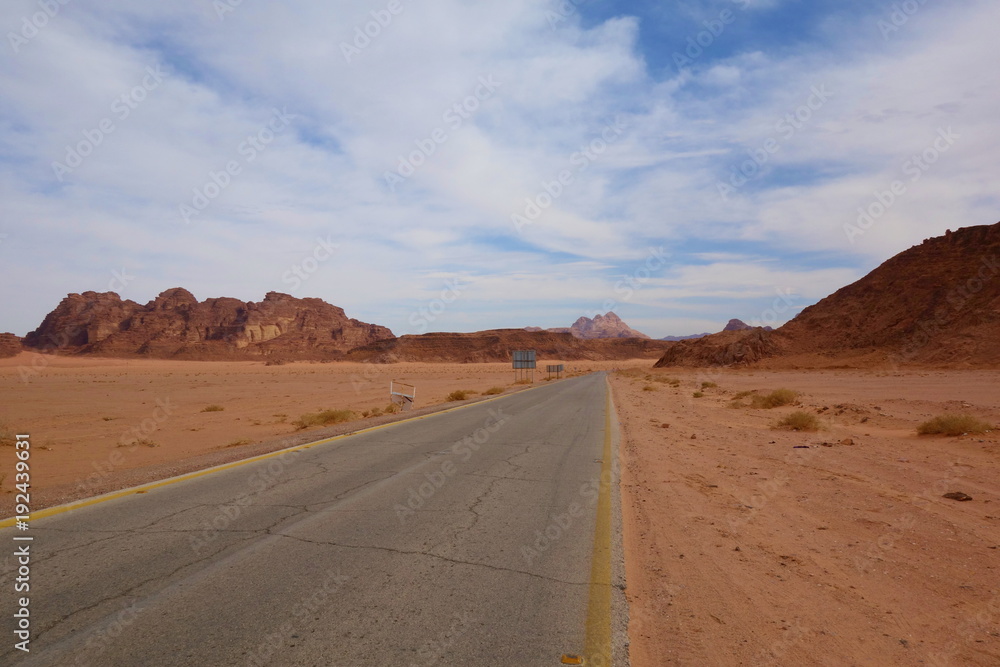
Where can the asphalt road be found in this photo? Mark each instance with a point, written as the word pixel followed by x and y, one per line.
pixel 462 538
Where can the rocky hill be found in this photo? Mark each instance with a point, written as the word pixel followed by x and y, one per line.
pixel 495 346
pixel 936 303
pixel 176 325
pixel 10 345
pixel 690 337
pixel 600 326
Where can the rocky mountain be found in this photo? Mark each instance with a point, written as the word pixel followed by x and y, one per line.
pixel 600 326
pixel 936 303
pixel 737 325
pixel 176 325
pixel 10 345
pixel 733 325
pixel 691 337
pixel 495 346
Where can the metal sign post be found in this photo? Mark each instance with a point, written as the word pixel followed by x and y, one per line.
pixel 523 362
pixel 402 394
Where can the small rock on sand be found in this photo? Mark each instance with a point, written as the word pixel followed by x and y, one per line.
pixel 957 495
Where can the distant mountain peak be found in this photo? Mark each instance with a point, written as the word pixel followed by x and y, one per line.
pixel 608 325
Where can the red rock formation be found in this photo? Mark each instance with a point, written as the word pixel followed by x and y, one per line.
pixel 10 345
pixel 936 303
pixel 176 325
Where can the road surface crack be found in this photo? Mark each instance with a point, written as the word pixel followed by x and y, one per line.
pixel 446 559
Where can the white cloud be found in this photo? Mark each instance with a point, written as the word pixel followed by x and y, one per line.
pixel 323 173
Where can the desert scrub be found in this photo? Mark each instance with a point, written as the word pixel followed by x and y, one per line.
pixel 799 421
pixel 212 408
pixel 649 387
pixel 698 394
pixel 493 391
pixel 948 424
pixel 324 418
pixel 239 443
pixel 459 395
pixel 775 399
pixel 709 385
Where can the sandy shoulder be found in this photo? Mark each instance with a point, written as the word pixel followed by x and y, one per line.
pixel 744 547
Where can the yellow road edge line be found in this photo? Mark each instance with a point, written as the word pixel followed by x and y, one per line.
pixel 597 642
pixel 149 486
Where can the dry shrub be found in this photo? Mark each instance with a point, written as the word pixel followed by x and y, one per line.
pixel 799 421
pixel 493 391
pixel 775 399
pixel 948 424
pixel 212 408
pixel 324 418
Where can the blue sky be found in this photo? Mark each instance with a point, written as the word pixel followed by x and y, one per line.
pixel 464 167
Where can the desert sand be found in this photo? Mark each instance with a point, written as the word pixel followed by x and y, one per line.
pixel 743 547
pixel 101 424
